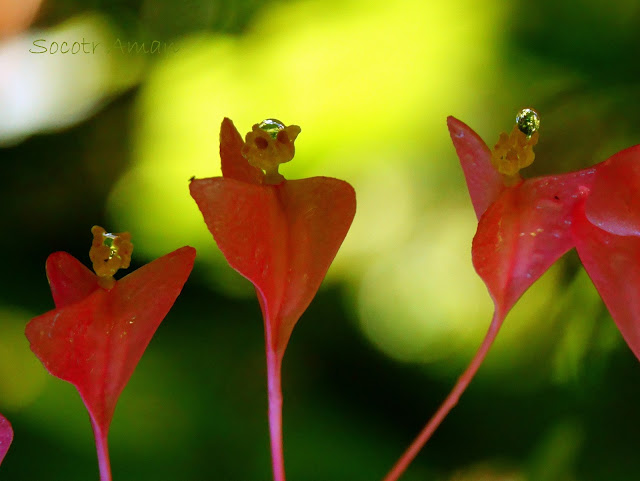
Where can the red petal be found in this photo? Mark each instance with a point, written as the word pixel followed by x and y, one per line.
pixel 234 165
pixel 280 237
pixel 6 436
pixel 613 263
pixel 525 231
pixel 69 279
pixel 483 180
pixel 614 204
pixel 97 342
pixel 250 229
pixel 319 213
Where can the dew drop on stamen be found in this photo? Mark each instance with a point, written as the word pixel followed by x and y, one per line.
pixel 528 121
pixel 271 126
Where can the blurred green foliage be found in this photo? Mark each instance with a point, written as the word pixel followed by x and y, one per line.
pixel 402 311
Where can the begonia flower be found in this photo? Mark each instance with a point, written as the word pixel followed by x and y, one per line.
pixel 282 235
pixel 6 436
pixel 100 327
pixel 524 226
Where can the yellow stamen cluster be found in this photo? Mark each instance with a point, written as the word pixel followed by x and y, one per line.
pixel 514 151
pixel 268 145
pixel 109 252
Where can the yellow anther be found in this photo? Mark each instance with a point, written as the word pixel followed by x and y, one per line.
pixel 109 252
pixel 268 145
pixel 514 151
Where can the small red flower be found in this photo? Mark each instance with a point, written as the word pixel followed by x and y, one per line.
pixel 6 436
pixel 524 226
pixel 100 327
pixel 280 234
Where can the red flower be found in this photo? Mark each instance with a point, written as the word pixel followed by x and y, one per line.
pixel 6 436
pixel 100 327
pixel 524 226
pixel 280 234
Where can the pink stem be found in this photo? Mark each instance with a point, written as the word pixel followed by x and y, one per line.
pixel 448 404
pixel 274 364
pixel 103 452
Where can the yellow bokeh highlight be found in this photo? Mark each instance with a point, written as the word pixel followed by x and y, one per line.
pixel 410 302
pixel 356 76
pixel 371 84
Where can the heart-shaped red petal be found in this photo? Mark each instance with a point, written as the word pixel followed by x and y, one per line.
pixel 95 343
pixel 281 237
pixel 525 231
pixel 614 202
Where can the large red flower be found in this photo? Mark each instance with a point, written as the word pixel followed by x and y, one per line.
pixel 524 226
pixel 100 327
pixel 280 234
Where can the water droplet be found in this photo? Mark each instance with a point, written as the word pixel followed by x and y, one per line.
pixel 528 121
pixel 271 126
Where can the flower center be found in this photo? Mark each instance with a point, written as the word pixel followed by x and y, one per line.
pixel 109 252
pixel 269 144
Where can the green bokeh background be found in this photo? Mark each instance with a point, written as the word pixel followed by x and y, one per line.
pixel 112 138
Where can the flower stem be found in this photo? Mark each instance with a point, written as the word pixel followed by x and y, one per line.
pixel 274 364
pixel 103 452
pixel 448 404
